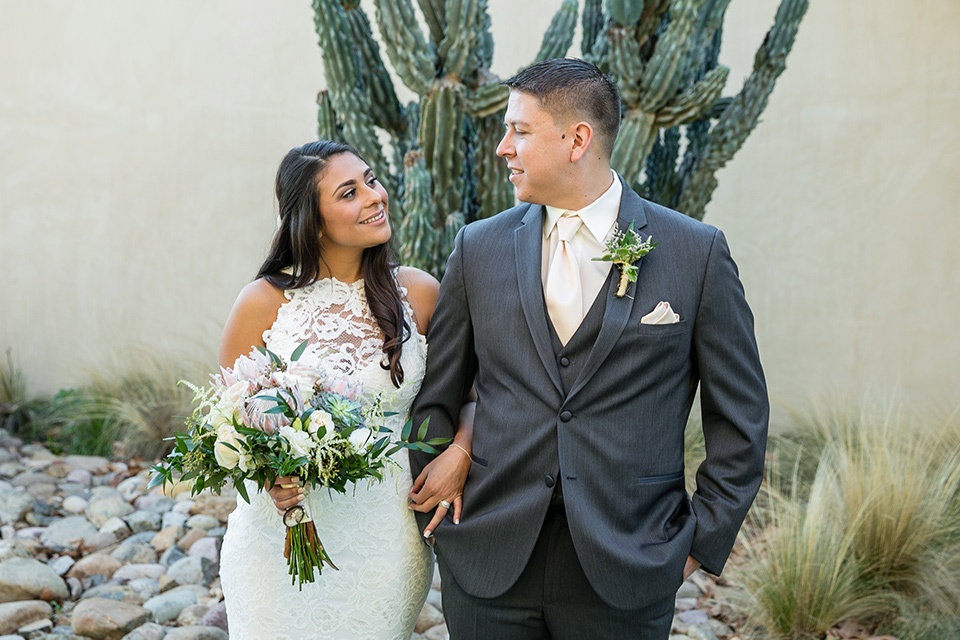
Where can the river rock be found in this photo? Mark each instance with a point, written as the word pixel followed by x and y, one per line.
pixel 67 533
pixel 167 606
pixel 13 549
pixel 202 521
pixel 208 548
pixel 167 537
pixel 14 505
pixel 196 633
pixel 113 591
pixel 131 488
pixel 80 476
pixel 73 504
pixel 131 552
pixel 99 618
pixel 61 564
pixel 135 571
pixel 219 507
pixel 429 617
pixel 191 615
pixel 28 579
pixel 91 464
pixel 14 615
pixel 144 520
pixel 100 509
pixel 193 570
pixel 216 616
pixel 148 631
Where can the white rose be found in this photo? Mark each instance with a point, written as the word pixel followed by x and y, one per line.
pixel 320 418
pixel 227 457
pixel 359 437
pixel 299 443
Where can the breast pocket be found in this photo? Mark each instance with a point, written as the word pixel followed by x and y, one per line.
pixel 662 330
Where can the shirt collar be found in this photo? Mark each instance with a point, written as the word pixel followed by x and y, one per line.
pixel 598 217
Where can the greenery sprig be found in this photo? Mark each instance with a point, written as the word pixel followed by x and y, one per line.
pixel 624 249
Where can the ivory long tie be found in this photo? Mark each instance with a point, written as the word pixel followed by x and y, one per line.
pixel 563 291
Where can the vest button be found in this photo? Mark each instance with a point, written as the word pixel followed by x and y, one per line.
pixel 549 481
pixel 564 361
pixel 566 416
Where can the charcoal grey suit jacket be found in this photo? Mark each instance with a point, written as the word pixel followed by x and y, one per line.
pixel 616 438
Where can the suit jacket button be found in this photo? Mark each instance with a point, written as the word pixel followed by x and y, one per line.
pixel 566 416
pixel 564 361
pixel 549 481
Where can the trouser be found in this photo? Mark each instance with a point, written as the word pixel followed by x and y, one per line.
pixel 551 600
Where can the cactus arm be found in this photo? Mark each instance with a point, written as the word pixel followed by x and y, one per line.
pixel 434 13
pixel 559 34
pixel 415 237
pixel 665 71
pixel 346 94
pixel 494 190
pixel 327 126
pixel 738 120
pixel 637 135
pixel 488 98
pixel 626 64
pixel 486 36
pixel 592 23
pixel 694 102
pixel 462 35
pixel 625 12
pixel 406 46
pixel 378 87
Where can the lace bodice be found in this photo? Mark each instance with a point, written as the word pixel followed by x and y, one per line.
pixel 385 568
pixel 343 336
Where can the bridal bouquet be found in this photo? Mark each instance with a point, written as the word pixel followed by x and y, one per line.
pixel 265 418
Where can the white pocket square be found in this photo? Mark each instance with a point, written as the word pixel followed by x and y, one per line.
pixel 663 314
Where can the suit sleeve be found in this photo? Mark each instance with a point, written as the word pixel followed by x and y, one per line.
pixel 451 360
pixel 734 409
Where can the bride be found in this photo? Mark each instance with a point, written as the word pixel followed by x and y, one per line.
pixel 329 279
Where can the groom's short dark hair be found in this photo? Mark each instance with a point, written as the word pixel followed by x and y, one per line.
pixel 571 89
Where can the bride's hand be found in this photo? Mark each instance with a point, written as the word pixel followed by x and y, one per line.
pixel 286 492
pixel 442 479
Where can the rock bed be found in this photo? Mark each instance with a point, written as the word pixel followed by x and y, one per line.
pixel 87 553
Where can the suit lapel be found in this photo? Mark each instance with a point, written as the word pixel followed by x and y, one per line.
pixel 618 310
pixel 529 248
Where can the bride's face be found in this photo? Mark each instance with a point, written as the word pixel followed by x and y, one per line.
pixel 353 205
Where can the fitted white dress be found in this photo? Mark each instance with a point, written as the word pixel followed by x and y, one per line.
pixel 370 534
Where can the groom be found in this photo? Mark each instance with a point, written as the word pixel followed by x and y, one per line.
pixel 576 522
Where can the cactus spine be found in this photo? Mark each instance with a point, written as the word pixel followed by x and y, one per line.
pixel 444 171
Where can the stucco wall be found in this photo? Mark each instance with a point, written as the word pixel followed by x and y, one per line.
pixel 138 143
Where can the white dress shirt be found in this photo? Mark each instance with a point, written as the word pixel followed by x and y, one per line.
pixel 599 219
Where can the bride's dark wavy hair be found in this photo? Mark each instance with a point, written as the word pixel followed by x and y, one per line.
pixel 295 254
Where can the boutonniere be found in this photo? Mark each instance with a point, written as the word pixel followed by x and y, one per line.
pixel 624 249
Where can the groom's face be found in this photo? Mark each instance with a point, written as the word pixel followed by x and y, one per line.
pixel 537 151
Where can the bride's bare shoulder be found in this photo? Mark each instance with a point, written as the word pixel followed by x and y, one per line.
pixel 254 312
pixel 422 290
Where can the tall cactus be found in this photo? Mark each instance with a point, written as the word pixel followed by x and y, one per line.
pixel 663 54
pixel 443 170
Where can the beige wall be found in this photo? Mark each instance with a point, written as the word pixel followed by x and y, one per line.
pixel 138 143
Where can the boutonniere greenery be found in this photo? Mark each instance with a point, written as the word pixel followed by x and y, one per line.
pixel 624 249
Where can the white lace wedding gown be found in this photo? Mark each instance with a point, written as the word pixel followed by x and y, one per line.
pixel 370 534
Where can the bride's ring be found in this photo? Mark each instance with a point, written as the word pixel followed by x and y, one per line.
pixel 444 504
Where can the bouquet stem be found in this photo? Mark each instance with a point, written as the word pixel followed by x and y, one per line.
pixel 304 553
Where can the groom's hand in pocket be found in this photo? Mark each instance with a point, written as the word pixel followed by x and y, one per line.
pixel 287 491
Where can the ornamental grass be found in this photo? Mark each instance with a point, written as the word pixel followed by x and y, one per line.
pixel 859 518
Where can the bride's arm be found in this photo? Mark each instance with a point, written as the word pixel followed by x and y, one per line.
pixel 443 478
pixel 253 313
